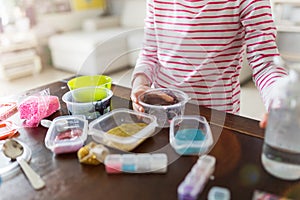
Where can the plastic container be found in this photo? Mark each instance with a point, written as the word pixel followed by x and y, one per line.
pixel 196 179
pixel 190 135
pixel 122 128
pixel 86 81
pixel 81 101
pixel 155 103
pixel 136 163
pixel 218 193
pixel 67 134
pixel 89 94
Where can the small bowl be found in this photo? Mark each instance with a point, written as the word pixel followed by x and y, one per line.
pixel 89 94
pixel 91 102
pixel 165 111
pixel 123 128
pixel 86 81
pixel 66 134
pixel 190 135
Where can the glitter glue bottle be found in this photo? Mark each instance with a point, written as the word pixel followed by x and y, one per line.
pixel 196 179
pixel 136 163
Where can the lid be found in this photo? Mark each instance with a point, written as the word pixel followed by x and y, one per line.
pixel 10 168
pixel 7 129
pixel 133 126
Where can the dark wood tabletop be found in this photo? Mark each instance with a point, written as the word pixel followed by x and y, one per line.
pixel 237 148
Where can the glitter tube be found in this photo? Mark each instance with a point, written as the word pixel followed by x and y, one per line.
pixel 136 163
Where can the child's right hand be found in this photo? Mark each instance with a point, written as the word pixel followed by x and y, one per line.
pixel 135 92
pixel 139 85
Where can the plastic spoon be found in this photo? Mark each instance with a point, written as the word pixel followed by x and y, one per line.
pixel 61 126
pixel 13 149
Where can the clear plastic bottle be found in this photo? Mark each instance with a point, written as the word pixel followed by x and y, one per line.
pixel 281 150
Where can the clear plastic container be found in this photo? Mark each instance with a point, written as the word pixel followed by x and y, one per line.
pixel 91 102
pixel 190 135
pixel 136 163
pixel 67 134
pixel 122 128
pixel 164 103
pixel 218 193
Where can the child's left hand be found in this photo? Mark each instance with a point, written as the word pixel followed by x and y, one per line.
pixel 263 122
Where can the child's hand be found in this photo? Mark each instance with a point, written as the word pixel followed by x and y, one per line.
pixel 263 122
pixel 140 85
pixel 137 91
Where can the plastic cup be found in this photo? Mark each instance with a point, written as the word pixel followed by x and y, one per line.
pixel 86 81
pixel 154 103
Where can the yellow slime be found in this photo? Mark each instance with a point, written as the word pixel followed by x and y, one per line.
pixel 126 130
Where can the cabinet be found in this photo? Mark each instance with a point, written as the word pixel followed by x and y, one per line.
pixel 287 19
pixel 18 55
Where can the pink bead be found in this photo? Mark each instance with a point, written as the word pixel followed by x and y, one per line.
pixel 113 168
pixel 35 108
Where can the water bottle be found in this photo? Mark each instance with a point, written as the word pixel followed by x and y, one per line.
pixel 281 149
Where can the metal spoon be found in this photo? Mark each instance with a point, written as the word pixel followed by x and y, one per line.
pixel 13 149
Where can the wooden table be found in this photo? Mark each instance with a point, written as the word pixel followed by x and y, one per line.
pixel 237 150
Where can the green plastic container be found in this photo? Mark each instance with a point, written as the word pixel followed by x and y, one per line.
pixel 89 94
pixel 87 81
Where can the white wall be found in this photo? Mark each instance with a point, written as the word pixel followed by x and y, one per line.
pixel 115 6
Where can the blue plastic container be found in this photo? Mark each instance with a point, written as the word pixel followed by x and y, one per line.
pixel 190 135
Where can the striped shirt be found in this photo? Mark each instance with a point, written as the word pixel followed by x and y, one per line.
pixel 197 46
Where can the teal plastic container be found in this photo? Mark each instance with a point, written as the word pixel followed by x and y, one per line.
pixel 190 135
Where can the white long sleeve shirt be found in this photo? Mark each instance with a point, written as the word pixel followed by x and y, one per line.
pixel 197 46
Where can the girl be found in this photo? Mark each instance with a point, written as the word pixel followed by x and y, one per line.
pixel 197 46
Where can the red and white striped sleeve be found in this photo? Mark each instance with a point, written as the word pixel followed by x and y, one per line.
pixel 260 38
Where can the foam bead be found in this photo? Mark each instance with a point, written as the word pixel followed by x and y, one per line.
pixel 34 108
